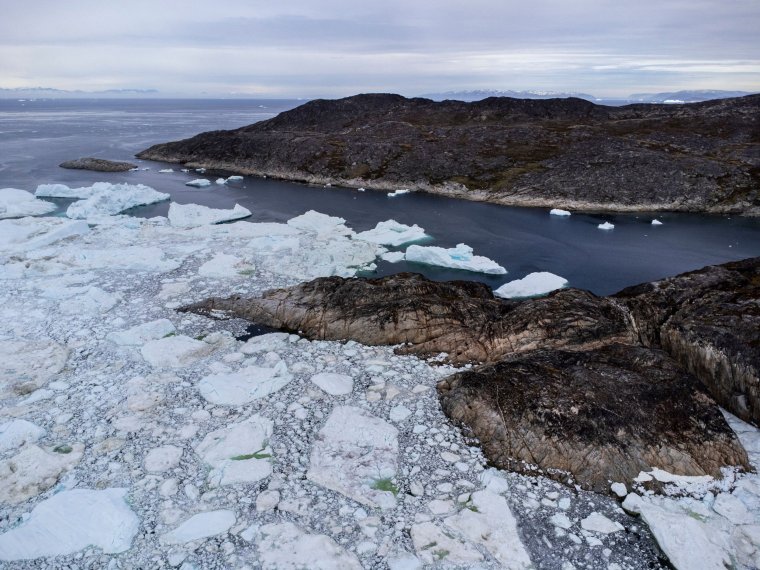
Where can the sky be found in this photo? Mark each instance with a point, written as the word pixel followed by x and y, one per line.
pixel 332 48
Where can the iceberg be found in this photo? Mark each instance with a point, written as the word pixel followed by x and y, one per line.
pixel 194 215
pixel 398 193
pixel 532 285
pixel 109 199
pixel 459 257
pixel 656 223
pixel 15 203
pixel 320 224
pixel 392 233
pixel 221 181
pixel 33 233
pixel 198 183
pixel 234 178
pixel 63 191
pixel 393 256
pixel 606 226
pixel 558 212
pixel 166 170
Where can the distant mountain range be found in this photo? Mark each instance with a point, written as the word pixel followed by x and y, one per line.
pixel 51 93
pixel 688 96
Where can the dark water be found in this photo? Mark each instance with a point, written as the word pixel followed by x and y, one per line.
pixel 36 136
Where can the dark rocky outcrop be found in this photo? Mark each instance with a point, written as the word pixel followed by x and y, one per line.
pixel 569 153
pixel 98 165
pixel 461 318
pixel 603 415
pixel 601 387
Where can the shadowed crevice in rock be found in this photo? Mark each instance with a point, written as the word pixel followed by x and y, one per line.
pixel 603 415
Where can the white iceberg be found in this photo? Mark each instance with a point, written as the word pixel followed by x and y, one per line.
pixel 393 256
pixel 558 212
pixel 63 191
pixel 531 285
pixel 27 234
pixel 15 203
pixel 234 178
pixel 198 183
pixel 398 193
pixel 656 222
pixel 194 215
pixel 105 199
pixel 320 224
pixel 166 170
pixel 221 181
pixel 459 257
pixel 606 226
pixel 392 233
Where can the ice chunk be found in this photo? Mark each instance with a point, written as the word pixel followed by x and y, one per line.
pixel 320 224
pixel 15 203
pixel 459 257
pixel 597 522
pixel 34 233
pixel 334 384
pixel 245 385
pixel 491 524
pixel 234 178
pixel 356 454
pixel 202 525
pixel 392 233
pixel 220 181
pixel 558 212
pixel 238 453
pixel 162 458
pixel 92 301
pixel 656 222
pixel 109 199
pixel 174 351
pixel 63 191
pixel 194 215
pixel 435 545
pixel 34 470
pixel 140 334
pixel 393 256
pixel 199 183
pixel 166 170
pixel 531 285
pixel 30 360
pixel 398 193
pixel 284 545
pixel 223 265
pixel 133 258
pixel 71 521
pixel 606 226
pixel 15 433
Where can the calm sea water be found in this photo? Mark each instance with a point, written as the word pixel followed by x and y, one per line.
pixel 35 136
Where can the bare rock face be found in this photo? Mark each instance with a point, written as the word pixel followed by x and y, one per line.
pixel 601 415
pixel 98 165
pixel 567 153
pixel 460 318
pixel 709 321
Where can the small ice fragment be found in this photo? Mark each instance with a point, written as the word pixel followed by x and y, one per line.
pixel 198 183
pixel 398 193
pixel 606 226
pixel 656 222
pixel 558 212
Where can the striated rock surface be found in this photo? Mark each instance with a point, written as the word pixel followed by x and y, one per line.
pixel 566 153
pixel 98 165
pixel 603 415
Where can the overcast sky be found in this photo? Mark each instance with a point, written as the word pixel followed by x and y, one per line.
pixel 304 48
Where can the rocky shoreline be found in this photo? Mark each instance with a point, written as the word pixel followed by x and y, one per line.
pixel 98 165
pixel 625 378
pixel 566 153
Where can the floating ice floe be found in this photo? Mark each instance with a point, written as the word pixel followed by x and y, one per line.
pixel 284 545
pixel 393 256
pixel 202 525
pixel 459 257
pixel 194 215
pixel 200 170
pixel 175 351
pixel 234 178
pixel 71 521
pixel 34 470
pixel 532 285
pixel 15 203
pixel 361 189
pixel 398 193
pixel 35 360
pixel 223 265
pixel 113 199
pixel 15 433
pixel 321 224
pixel 221 181
pixel 140 334
pixel 558 212
pixel 199 183
pixel 245 385
pixel 238 453
pixel 33 233
pixel 166 170
pixel 63 191
pixel 133 258
pixel 356 454
pixel 334 384
pixel 656 222
pixel 392 233
pixel 606 226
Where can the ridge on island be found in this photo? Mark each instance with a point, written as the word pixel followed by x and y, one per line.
pixel 567 153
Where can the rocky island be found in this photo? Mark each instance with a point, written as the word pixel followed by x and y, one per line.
pixel 98 165
pixel 570 153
